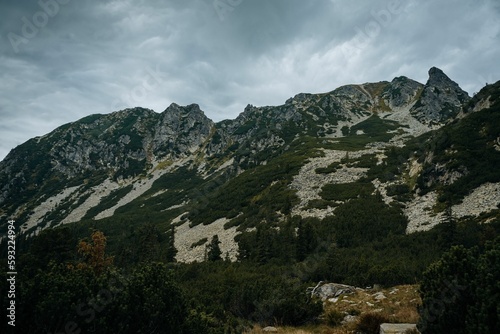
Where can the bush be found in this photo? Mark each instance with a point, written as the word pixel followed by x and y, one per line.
pixel 369 323
pixel 334 318
pixel 460 292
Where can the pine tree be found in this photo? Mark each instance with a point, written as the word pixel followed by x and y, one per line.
pixel 306 240
pixel 447 291
pixel 171 250
pixel 213 250
pixel 448 236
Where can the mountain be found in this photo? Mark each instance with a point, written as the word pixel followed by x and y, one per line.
pixel 421 148
pixel 441 99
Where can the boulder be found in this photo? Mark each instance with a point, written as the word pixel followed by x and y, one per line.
pixel 396 328
pixel 330 290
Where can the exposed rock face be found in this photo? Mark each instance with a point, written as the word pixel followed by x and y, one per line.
pixel 308 182
pixel 186 236
pixel 420 213
pixel 120 145
pixel 137 159
pixel 180 131
pixel 441 99
pixel 331 290
pixel 401 91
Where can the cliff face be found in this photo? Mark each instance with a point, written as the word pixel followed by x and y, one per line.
pixel 118 145
pixel 179 166
pixel 441 99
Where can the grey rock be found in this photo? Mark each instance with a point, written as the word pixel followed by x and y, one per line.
pixel 270 329
pixel 401 91
pixel 330 290
pixel 396 328
pixel 440 101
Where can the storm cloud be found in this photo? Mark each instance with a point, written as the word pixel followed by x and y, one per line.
pixel 61 60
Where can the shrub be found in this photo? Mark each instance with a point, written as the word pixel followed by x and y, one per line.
pixel 334 318
pixel 369 323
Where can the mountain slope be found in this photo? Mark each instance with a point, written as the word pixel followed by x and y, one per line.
pixel 416 146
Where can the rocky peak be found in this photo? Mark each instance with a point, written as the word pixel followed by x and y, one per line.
pixel 441 99
pixel 299 98
pixel 401 91
pixel 181 130
pixel 437 75
pixel 352 92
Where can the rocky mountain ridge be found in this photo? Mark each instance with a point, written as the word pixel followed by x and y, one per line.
pixel 441 99
pixel 179 167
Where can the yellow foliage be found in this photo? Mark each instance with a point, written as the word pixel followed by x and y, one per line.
pixel 94 254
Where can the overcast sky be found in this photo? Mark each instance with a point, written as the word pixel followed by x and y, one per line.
pixel 61 60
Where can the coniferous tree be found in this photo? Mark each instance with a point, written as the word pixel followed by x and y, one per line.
pixel 213 250
pixel 447 292
pixel 484 315
pixel 149 237
pixel 171 250
pixel 449 229
pixel 306 240
pixel 287 241
pixel 460 292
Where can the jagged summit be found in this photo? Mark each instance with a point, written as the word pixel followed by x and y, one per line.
pixel 66 174
pixel 441 99
pixel 401 91
pixel 435 72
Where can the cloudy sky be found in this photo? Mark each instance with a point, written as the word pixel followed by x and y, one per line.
pixel 61 60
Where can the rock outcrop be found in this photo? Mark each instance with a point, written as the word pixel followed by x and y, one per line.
pixel 397 328
pixel 327 291
pixel 401 91
pixel 170 162
pixel 441 99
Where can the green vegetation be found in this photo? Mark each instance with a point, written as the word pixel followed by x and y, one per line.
pixel 108 202
pixel 200 242
pixel 374 129
pixel 467 148
pixel 460 292
pixel 369 323
pixel 213 250
pixel 126 279
pixel 258 193
pixel 345 191
pixel 221 296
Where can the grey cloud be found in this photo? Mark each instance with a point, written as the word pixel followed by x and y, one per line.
pixel 96 57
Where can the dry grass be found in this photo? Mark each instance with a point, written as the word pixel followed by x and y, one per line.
pixel 319 329
pixel 399 306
